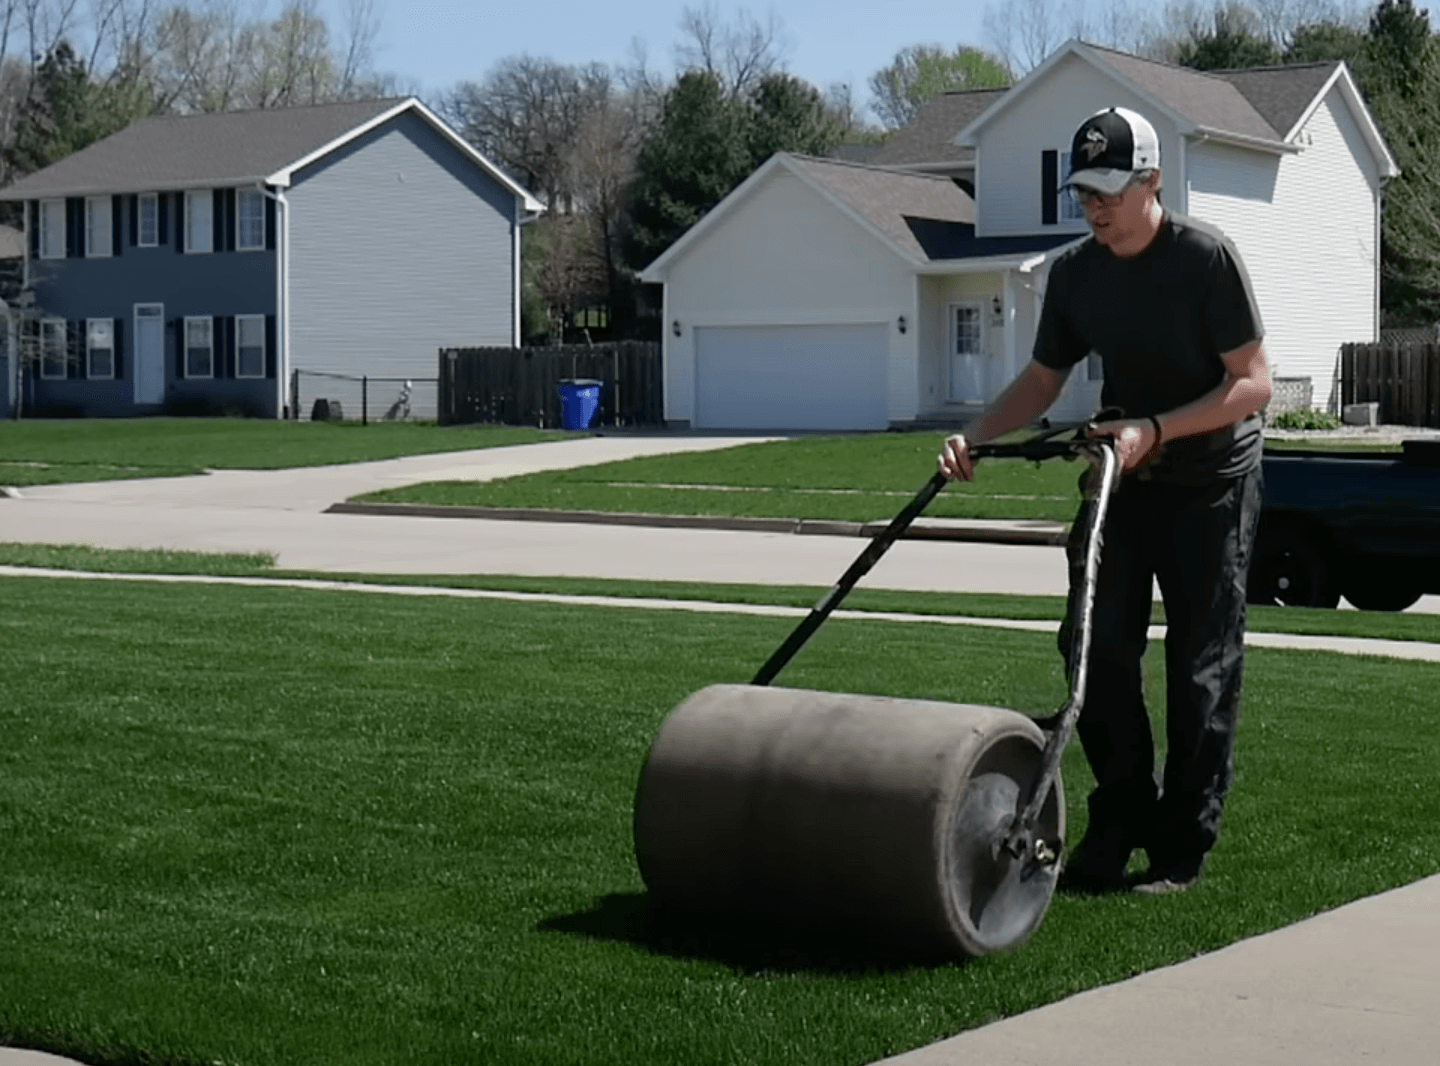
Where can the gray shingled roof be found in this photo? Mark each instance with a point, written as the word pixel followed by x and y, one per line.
pixel 1281 94
pixel 187 151
pixel 1205 99
pixel 886 198
pixel 930 138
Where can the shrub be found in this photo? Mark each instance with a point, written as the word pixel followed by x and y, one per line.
pixel 1304 418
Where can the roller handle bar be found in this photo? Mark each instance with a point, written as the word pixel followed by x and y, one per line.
pixel 1037 448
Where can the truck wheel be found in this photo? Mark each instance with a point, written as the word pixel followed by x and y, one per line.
pixel 1379 588
pixel 1289 569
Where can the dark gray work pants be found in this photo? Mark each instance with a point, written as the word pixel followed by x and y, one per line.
pixel 1197 542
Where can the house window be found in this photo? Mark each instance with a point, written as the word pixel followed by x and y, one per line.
pixel 52 229
pixel 1070 209
pixel 249 220
pixel 199 222
pixel 53 351
pixel 249 346
pixel 148 223
pixel 100 348
pixel 97 227
pixel 200 347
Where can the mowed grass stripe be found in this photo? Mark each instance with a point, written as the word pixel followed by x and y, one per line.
pixel 265 825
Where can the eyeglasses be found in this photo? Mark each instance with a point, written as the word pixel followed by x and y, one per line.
pixel 1091 198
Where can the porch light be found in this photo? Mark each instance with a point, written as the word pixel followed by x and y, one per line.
pixel 900 323
pixel 996 307
pixel 675 327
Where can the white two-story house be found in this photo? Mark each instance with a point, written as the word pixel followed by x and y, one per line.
pixel 829 295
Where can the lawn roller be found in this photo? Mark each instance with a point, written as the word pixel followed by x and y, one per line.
pixel 932 822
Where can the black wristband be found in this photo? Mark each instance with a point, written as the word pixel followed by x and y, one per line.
pixel 1159 433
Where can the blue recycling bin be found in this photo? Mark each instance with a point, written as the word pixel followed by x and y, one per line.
pixel 579 401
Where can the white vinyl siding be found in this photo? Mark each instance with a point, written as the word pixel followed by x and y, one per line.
pixel 1008 193
pixel 147 225
pixel 52 229
pixel 199 222
pixel 53 349
pixel 100 348
pixel 249 346
pixel 249 220
pixel 802 263
pixel 1305 226
pixel 98 222
pixel 200 347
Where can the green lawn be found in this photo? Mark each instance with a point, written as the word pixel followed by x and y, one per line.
pixel 44 452
pixel 848 478
pixel 273 826
pixel 856 478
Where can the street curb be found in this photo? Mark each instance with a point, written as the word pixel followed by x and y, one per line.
pixel 1025 533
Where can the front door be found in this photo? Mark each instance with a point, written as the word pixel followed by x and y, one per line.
pixel 969 365
pixel 149 353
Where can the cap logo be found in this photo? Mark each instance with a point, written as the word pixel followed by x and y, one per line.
pixel 1095 145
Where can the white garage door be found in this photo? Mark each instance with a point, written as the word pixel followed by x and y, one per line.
pixel 791 377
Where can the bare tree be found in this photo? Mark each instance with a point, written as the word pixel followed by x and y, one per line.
pixel 526 116
pixel 740 52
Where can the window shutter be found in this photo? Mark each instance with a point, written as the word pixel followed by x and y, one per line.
pixel 74 228
pixel 180 223
pixel 219 350
pixel 270 354
pixel 269 224
pixel 231 219
pixel 162 217
pixel 178 325
pixel 75 361
pixel 217 220
pixel 134 219
pixel 1049 187
pixel 34 208
pixel 117 225
pixel 119 348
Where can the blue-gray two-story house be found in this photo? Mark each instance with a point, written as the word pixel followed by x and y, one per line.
pixel 191 263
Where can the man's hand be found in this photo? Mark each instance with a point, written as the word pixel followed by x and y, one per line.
pixel 955 461
pixel 1136 440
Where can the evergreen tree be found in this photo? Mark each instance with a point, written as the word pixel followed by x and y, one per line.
pixel 789 115
pixel 1230 44
pixel 705 143
pixel 66 110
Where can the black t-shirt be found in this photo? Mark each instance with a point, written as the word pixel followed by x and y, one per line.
pixel 1160 322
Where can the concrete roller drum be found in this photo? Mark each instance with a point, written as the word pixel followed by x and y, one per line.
pixel 889 812
pixel 938 822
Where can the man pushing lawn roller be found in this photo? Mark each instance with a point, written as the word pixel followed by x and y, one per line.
pixel 1166 303
pixel 943 824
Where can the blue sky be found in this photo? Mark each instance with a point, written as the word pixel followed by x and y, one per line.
pixel 436 43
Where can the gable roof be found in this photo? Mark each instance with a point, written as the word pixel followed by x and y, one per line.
pixel 1282 95
pixel 1198 103
pixel 229 148
pixel 924 219
pixel 1261 108
pixel 930 136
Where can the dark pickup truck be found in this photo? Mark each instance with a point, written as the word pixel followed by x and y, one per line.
pixel 1365 526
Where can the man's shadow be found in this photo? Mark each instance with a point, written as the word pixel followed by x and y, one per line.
pixel 747 943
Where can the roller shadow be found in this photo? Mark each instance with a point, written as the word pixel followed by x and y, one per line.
pixel 746 944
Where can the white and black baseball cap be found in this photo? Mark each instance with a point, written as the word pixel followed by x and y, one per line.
pixel 1110 148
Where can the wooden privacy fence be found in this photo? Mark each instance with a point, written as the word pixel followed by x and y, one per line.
pixel 1403 379
pixel 519 386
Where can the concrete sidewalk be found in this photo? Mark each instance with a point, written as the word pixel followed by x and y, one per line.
pixel 1356 983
